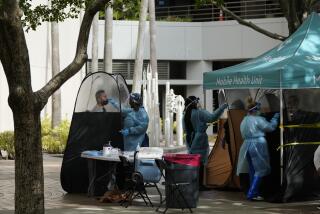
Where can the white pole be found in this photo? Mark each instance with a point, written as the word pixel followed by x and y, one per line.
pixel 171 143
pixel 281 130
pixel 166 121
pixel 281 135
pixel 157 112
pixel 180 105
pixel 152 103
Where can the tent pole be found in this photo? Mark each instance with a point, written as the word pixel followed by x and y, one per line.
pixel 281 135
pixel 204 99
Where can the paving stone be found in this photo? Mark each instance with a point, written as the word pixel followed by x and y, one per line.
pixel 58 202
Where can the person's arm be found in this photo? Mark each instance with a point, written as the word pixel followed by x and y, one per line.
pixel 266 126
pixel 211 117
pixel 116 105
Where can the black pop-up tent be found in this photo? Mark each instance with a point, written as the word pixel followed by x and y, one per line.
pixel 286 79
pixel 90 130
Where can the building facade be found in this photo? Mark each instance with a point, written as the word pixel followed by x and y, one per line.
pixel 185 51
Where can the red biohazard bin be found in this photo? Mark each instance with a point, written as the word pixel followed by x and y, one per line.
pixel 183 170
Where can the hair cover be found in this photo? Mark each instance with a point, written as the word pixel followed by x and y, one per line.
pixel 253 106
pixel 136 98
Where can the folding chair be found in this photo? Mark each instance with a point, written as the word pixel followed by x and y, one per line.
pixel 170 182
pixel 145 164
pixel 135 185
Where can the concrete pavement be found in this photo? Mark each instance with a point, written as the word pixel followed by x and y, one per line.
pixel 58 202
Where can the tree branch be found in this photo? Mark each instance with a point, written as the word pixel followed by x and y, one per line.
pixel 248 23
pixel 80 58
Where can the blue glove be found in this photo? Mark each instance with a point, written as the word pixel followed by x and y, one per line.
pixel 276 115
pixel 111 101
pixel 124 132
pixel 224 106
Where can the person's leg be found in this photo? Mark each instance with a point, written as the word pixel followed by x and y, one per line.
pixel 201 171
pixel 255 181
pixel 251 168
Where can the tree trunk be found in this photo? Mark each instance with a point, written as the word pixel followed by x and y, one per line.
pixel 29 162
pixel 29 198
pixel 95 50
pixel 138 65
pixel 154 68
pixel 56 97
pixel 26 105
pixel 108 39
pixel 153 34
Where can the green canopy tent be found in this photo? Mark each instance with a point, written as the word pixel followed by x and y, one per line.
pixel 293 64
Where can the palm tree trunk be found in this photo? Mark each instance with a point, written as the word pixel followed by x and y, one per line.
pixel 56 97
pixel 108 39
pixel 153 35
pixel 138 65
pixel 95 33
pixel 154 68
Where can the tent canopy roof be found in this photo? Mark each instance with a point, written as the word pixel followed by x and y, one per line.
pixel 295 63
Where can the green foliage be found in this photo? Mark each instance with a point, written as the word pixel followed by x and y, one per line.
pixel 59 10
pixel 174 127
pixel 45 126
pixel 176 19
pixel 125 10
pixel 54 140
pixel 7 143
pixel 203 2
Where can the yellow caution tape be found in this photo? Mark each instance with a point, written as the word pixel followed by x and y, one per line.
pixel 312 126
pixel 298 144
pixel 214 122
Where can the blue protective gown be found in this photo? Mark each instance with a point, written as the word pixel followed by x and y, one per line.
pixel 137 123
pixel 199 120
pixel 253 129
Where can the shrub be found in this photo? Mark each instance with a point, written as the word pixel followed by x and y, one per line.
pixel 54 140
pixel 45 126
pixel 7 143
pixel 176 19
pixel 174 127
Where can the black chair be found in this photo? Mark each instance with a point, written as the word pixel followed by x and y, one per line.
pixel 150 172
pixel 134 184
pixel 175 187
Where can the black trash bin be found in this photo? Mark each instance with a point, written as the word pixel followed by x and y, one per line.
pixel 182 180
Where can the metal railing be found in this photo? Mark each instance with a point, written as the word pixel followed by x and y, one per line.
pixel 254 9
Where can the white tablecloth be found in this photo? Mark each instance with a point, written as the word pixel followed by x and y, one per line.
pixel 98 155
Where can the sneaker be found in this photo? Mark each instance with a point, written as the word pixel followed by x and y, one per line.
pixel 257 198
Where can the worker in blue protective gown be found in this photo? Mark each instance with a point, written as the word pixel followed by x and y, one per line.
pixel 196 123
pixel 135 123
pixel 254 155
pixel 190 104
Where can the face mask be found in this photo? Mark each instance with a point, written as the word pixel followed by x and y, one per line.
pixel 104 102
